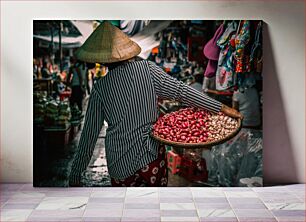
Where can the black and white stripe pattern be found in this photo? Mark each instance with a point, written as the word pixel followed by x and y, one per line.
pixel 127 99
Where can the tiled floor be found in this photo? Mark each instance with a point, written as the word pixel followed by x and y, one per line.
pixel 22 202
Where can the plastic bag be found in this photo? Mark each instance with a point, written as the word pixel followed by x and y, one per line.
pixel 235 159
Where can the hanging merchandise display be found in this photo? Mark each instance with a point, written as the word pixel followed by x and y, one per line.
pixel 209 81
pixel 226 67
pixel 240 58
pixel 256 51
pixel 244 76
pixel 211 51
pixel 211 68
pixel 240 43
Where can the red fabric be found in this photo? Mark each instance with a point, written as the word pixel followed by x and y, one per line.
pixel 154 174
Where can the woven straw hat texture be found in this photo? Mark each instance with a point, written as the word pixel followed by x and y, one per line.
pixel 107 44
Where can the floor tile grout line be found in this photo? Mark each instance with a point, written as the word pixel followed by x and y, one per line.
pixel 26 219
pixel 158 197
pixel 5 202
pixel 87 204
pixel 197 210
pixel 198 215
pixel 23 186
pixel 267 206
pixel 123 207
pixel 258 197
pixel 277 219
pixel 294 194
pixel 231 206
pixel 36 206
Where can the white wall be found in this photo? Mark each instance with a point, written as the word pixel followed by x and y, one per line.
pixel 284 72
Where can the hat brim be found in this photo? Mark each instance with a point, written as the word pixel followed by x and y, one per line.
pixel 105 56
pixel 107 44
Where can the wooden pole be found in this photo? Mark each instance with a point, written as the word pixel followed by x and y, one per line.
pixel 51 47
pixel 60 45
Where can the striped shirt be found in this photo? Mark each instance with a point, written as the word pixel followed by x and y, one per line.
pixel 126 98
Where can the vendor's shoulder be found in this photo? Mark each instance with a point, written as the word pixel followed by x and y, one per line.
pixel 139 61
pixel 153 66
pixel 138 64
pixel 151 63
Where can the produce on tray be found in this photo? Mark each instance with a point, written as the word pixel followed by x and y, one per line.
pixel 192 125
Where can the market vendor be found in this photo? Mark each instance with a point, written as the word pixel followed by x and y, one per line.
pixel 126 98
pixel 45 71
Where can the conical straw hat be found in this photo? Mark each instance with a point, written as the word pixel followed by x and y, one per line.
pixel 107 44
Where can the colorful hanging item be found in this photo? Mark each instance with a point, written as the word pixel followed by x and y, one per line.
pixel 226 66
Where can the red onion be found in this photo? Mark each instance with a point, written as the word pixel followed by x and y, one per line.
pixel 192 125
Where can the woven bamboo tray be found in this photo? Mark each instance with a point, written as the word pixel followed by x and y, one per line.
pixel 199 145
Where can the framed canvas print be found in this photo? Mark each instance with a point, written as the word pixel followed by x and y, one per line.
pixel 153 103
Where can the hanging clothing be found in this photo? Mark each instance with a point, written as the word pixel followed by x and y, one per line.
pixel 226 66
pixel 211 49
pixel 248 55
pixel 256 51
pixel 211 69
pixel 241 41
pixel 212 52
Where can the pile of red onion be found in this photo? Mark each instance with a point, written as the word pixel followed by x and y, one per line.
pixel 192 125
